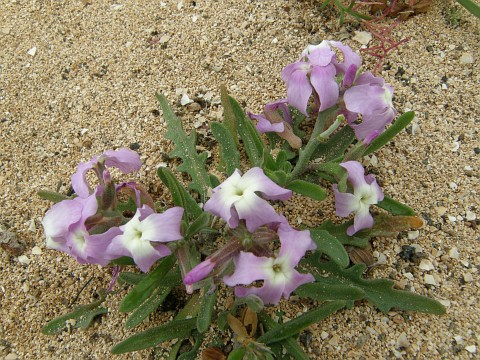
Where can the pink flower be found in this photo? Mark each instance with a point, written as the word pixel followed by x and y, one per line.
pixel 278 273
pixel 366 192
pixel 236 198
pixel 124 159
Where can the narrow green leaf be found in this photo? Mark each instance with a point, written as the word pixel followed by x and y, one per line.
pixel 171 280
pixel 471 7
pixel 131 278
pixel 122 261
pixel 83 316
pixel 335 146
pixel 53 196
pixel 290 344
pixel 293 327
pixel 399 124
pixel 193 353
pixel 175 329
pixel 313 191
pixel 340 232
pixel 237 354
pixel 328 292
pixel 144 288
pixel 229 153
pixel 198 224
pixel 204 318
pixel 185 148
pixel 228 114
pixel 251 139
pixel 395 207
pixel 180 195
pixel 330 246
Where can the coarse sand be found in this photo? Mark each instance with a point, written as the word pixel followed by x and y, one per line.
pixel 79 77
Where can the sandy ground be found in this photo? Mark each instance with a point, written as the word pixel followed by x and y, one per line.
pixel 78 79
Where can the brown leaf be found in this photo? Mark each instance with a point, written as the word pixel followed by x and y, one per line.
pixel 402 8
pixel 213 353
pixel 361 256
pixel 237 326
pixel 250 321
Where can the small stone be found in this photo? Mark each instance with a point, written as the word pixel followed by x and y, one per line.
pixel 36 250
pixel 453 185
pixel 32 51
pixel 324 335
pixel 185 100
pixel 470 215
pixel 334 340
pixel 11 356
pixel 429 279
pixel 445 303
pixel 402 341
pixel 426 265
pixel 468 277
pixel 274 41
pixel 24 260
pixel 10 243
pixel 363 37
pixel 472 349
pixel 164 39
pixel 194 107
pixel 6 30
pixel 455 146
pixel 441 210
pixel 412 235
pixel 453 253
pixel 458 339
pixel 466 58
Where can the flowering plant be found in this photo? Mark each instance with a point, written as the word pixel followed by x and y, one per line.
pixel 333 115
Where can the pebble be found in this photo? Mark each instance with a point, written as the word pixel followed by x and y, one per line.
pixel 6 30
pixel 24 260
pixel 11 356
pixel 470 216
pixel 467 277
pixel 412 235
pixel 441 210
pixel 466 58
pixel 426 265
pixel 429 279
pixel 402 341
pixel 32 51
pixel 363 37
pixel 472 349
pixel 453 253
pixel 185 100
pixel 10 243
pixel 36 250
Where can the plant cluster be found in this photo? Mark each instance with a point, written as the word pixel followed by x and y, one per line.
pixel 334 114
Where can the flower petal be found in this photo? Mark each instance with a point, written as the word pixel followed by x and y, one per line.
pixel 324 83
pixel 125 160
pixel 249 268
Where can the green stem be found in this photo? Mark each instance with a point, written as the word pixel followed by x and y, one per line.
pixel 307 152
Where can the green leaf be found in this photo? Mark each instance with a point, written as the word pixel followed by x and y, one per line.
pixel 185 148
pixel 131 278
pixel 229 153
pixel 340 232
pixel 290 344
pixel 155 300
pixel 394 207
pixel 471 7
pixel 313 191
pixel 122 261
pixel 83 316
pixel 193 353
pixel 198 225
pixel 180 195
pixel 336 145
pixel 53 196
pixel 204 318
pixel 399 124
pixel 237 354
pixel 144 288
pixel 329 245
pixel 327 292
pixel 293 327
pixel 175 329
pixel 229 118
pixel 378 291
pixel 251 139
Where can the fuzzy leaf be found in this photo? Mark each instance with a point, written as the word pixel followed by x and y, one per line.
pixel 204 317
pixel 327 292
pixel 228 114
pixel 144 288
pixel 379 291
pixel 336 145
pixel 330 246
pixel 155 300
pixel 185 148
pixel 293 327
pixel 198 224
pixel 82 316
pixel 399 124
pixel 251 139
pixel 131 278
pixel 175 329
pixel 180 195
pixel 340 232
pixel 313 191
pixel 229 153
pixel 290 344
pixel 394 207
pixel 53 196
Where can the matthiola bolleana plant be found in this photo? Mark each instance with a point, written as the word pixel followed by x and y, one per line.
pixel 234 233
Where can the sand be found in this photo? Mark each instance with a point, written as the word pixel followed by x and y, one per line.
pixel 79 77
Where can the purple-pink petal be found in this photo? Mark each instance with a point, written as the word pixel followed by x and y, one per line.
pixel 356 173
pixel 324 83
pixel 125 160
pixel 299 88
